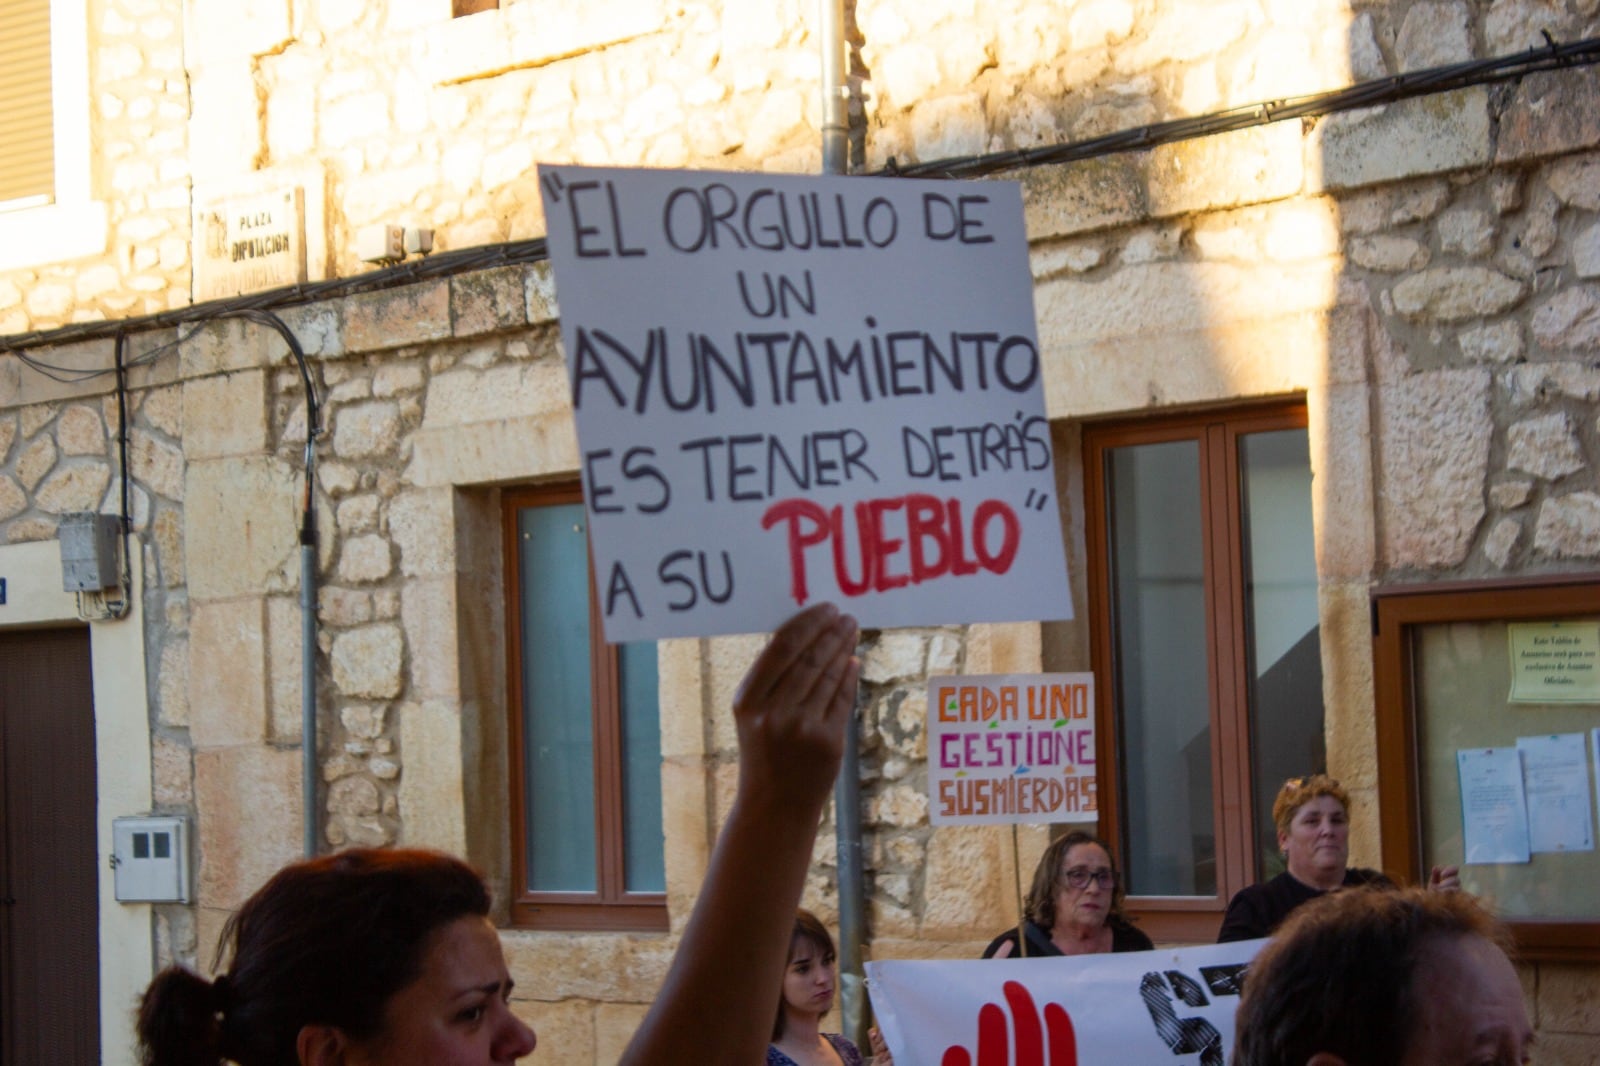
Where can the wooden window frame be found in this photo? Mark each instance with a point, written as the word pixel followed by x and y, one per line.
pixel 611 907
pixel 1396 611
pixel 1187 918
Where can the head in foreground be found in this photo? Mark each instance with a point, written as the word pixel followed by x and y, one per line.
pixel 810 977
pixel 363 956
pixel 1075 886
pixel 1376 977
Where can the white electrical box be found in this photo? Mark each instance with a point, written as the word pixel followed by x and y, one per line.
pixel 151 859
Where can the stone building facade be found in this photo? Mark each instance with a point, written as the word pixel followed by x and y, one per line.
pixel 1426 275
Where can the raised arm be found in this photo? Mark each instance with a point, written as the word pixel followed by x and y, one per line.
pixel 791 712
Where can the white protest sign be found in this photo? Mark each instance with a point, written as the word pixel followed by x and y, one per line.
pixel 1144 1007
pixel 1008 748
pixel 790 389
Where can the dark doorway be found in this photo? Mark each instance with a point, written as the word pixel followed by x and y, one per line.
pixel 49 907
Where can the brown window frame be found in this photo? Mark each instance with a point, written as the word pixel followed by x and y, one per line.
pixel 610 908
pixel 463 8
pixel 1396 611
pixel 1187 918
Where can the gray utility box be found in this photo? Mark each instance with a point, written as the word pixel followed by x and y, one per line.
pixel 151 859
pixel 89 552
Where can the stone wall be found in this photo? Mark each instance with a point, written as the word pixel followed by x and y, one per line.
pixel 1425 274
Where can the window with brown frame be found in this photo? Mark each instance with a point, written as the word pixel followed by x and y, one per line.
pixel 1204 632
pixel 587 849
pixel 1470 669
pixel 27 114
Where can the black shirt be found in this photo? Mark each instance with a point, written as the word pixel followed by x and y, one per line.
pixel 1256 911
pixel 1124 937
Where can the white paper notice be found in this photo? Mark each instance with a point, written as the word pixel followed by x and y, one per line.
pixel 1555 778
pixel 1494 813
pixel 792 388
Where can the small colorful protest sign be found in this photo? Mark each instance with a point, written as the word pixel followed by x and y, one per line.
pixel 1011 748
pixel 1145 1007
pixel 791 389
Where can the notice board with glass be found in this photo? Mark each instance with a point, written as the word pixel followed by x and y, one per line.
pixel 1489 749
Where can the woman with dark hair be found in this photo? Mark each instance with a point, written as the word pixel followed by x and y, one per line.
pixel 809 982
pixel 387 957
pixel 364 956
pixel 1074 906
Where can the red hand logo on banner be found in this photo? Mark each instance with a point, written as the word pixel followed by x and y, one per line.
pixel 1055 1035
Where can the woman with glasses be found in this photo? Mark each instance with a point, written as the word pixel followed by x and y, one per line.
pixel 1074 906
pixel 1313 819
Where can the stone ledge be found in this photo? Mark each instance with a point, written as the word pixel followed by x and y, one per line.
pixel 513 449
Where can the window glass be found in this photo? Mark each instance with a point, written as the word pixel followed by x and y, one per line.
pixel 1280 587
pixel 1159 615
pixel 557 691
pixel 643 862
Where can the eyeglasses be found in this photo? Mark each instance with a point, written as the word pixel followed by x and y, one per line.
pixel 1080 876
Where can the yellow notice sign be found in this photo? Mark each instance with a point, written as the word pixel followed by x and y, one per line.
pixel 1555 662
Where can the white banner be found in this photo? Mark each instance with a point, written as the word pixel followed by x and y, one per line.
pixel 798 388
pixel 1139 1008
pixel 1009 748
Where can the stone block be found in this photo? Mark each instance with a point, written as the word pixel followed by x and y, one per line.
pixel 1425 135
pixel 610 968
pixel 1434 35
pixel 172 685
pixel 1090 194
pixel 227 673
pixel 392 318
pixel 241 533
pixel 365 558
pixel 1550 113
pixel 1497 342
pixel 156 464
pixel 1388 254
pixel 682 699
pixel 431 799
pixel 1544 446
pixel 72 488
pixel 488 300
pixel 8 433
pixel 1450 294
pixel 366 430
pixel 1340 429
pixel 247 800
pixel 1569 527
pixel 1576 181
pixel 1569 319
pixel 565 1029
pixel 539 293
pixel 968 883
pixel 225 415
pixel 226 344
pixel 514 449
pixel 1209 173
pixel 367 662
pixel 428 612
pixel 422 525
pixel 684 787
pixel 35 461
pixel 1004 648
pixel 1501 542
pixel 1345 620
pixel 171 773
pixel 1433 436
pixel 1569 998
pixel 895 654
pixel 79 431
pixel 501 392
pixel 13 501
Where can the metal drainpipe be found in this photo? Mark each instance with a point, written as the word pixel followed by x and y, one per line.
pixel 847 789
